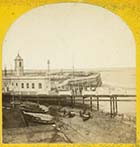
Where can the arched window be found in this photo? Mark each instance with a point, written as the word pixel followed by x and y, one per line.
pixel 22 85
pixel 20 64
pixel 27 85
pixel 33 85
pixel 39 85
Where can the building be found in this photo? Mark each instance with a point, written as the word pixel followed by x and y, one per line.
pixel 19 81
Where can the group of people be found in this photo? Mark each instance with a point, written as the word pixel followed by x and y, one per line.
pixel 77 91
pixel 84 114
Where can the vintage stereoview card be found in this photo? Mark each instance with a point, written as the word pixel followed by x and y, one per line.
pixel 69 73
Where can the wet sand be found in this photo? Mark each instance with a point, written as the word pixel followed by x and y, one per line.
pixel 100 128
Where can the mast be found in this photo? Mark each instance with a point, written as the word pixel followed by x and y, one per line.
pixel 48 62
pixel 73 89
pixel 72 67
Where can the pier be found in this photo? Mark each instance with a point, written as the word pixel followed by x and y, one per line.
pixel 73 100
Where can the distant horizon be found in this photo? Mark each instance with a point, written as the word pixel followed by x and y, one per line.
pixel 99 68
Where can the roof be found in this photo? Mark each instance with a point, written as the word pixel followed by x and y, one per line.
pixel 25 77
pixel 18 57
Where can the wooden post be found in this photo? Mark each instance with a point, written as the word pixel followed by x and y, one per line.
pixel 83 100
pixel 74 100
pixel 116 106
pixel 59 102
pixel 13 100
pixel 65 101
pixel 37 100
pixel 91 103
pixel 71 101
pixel 97 103
pixel 20 96
pixel 111 106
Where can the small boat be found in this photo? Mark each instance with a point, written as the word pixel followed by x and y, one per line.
pixel 33 107
pixel 38 118
pixel 39 121
pixel 71 114
pixel 27 109
pixel 85 117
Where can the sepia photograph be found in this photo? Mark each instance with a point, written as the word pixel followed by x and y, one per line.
pixel 69 76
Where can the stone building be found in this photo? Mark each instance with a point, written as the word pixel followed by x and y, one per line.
pixel 19 83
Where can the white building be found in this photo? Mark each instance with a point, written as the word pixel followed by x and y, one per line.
pixel 20 83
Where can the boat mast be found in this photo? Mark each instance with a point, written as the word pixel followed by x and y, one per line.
pixel 73 71
pixel 73 67
pixel 48 62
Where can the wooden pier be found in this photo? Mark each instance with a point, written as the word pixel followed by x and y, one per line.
pixel 92 100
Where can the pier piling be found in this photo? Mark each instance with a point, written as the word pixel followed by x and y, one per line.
pixel 111 106
pixel 97 103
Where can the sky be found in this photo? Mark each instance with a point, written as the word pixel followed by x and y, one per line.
pixel 68 34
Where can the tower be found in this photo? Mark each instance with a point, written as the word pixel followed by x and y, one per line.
pixel 19 69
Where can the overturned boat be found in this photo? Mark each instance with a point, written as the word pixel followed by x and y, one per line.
pixel 33 108
pixel 38 118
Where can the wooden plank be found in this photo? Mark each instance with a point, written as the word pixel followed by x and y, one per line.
pixel 66 98
pixel 107 100
pixel 57 96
